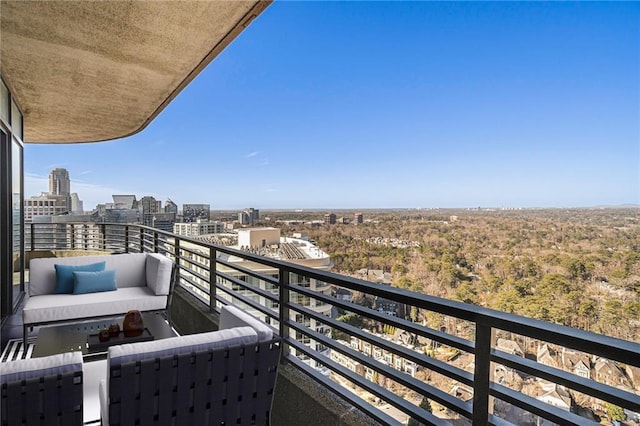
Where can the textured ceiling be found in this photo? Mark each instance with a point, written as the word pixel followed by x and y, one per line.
pixel 86 71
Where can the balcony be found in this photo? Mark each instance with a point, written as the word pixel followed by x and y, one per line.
pixel 459 362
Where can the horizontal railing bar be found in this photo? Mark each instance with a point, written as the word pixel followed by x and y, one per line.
pixel 538 408
pixel 245 285
pixel 444 338
pixel 404 379
pixel 193 283
pixel 195 274
pixel 244 299
pixel 345 394
pixel 423 360
pixel 581 384
pixel 369 386
pixel 247 271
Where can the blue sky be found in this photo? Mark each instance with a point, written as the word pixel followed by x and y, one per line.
pixel 391 104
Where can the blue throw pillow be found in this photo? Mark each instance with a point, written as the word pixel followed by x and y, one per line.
pixel 93 282
pixel 64 275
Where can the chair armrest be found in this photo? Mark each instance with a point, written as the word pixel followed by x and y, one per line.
pixel 231 316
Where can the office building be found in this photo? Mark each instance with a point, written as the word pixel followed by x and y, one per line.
pixel 150 206
pixel 249 216
pixel 59 182
pixel 160 220
pixel 124 202
pixel 77 206
pixel 201 227
pixel 330 218
pixel 358 218
pixel 45 205
pixel 170 207
pixel 193 212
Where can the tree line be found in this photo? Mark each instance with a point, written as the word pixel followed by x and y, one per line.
pixel 579 267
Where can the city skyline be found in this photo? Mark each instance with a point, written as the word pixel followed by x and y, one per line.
pixel 390 105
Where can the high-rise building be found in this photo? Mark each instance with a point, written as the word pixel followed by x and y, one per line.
pixel 193 212
pixel 59 182
pixel 160 220
pixel 150 206
pixel 170 207
pixel 249 216
pixel 330 218
pixel 59 200
pixel 76 204
pixel 124 202
pixel 45 205
pixel 358 218
pixel 200 227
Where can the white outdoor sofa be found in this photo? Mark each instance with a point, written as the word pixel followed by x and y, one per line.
pixel 143 280
pixel 224 377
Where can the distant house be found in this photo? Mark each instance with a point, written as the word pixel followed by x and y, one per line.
pixel 558 397
pixel 576 363
pixel 546 356
pixel 343 294
pixel 609 373
pixel 633 373
pixel 509 346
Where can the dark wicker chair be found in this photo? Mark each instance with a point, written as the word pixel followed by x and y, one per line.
pixel 219 378
pixel 42 391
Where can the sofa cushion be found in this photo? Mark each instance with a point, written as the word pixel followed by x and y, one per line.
pixel 130 270
pixel 31 368
pixel 130 352
pixel 232 316
pixel 158 271
pixel 94 282
pixel 56 307
pixel 64 275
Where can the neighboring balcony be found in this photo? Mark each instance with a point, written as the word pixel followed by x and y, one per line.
pixel 473 365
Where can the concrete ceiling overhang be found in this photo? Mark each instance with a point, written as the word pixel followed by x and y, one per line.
pixel 86 71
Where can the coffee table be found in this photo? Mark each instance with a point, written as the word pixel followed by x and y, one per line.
pixel 73 337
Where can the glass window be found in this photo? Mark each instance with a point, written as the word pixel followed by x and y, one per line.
pixel 16 120
pixel 4 102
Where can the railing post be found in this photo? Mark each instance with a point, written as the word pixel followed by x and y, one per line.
pixel 126 238
pixel 482 375
pixel 284 311
pixel 155 242
pixel 213 279
pixel 103 232
pixel 176 255
pixel 73 236
pixel 32 237
pixel 141 239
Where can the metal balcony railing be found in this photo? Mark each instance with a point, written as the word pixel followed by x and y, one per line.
pixel 375 371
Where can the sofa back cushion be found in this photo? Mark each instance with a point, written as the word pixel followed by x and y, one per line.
pixel 130 270
pixel 158 271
